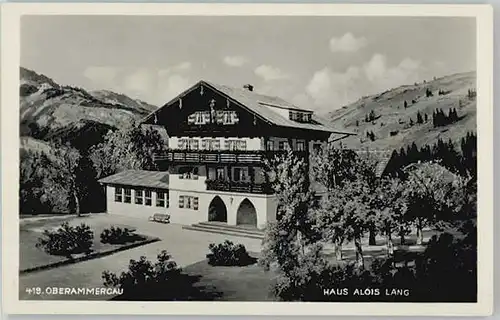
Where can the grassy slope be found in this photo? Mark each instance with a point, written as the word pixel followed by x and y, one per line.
pixel 389 106
pixel 53 107
pixel 71 114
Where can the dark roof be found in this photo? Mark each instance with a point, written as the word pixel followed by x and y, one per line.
pixel 259 104
pixel 139 178
pixel 381 158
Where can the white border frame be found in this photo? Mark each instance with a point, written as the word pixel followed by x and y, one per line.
pixel 10 55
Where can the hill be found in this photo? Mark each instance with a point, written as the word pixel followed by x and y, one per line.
pixel 49 110
pixel 395 126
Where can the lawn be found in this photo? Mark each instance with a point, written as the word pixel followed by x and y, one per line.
pixel 31 257
pixel 248 283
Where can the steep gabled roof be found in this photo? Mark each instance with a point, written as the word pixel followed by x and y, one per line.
pixel 139 178
pixel 258 104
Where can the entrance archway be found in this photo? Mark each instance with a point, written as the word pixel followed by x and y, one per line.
pixel 217 210
pixel 246 214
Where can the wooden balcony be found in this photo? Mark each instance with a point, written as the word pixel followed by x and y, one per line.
pixel 219 156
pixel 245 187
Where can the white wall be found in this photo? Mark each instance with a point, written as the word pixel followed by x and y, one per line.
pixel 262 204
pixel 131 209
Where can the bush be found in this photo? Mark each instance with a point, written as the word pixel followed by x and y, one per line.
pixel 148 282
pixel 228 254
pixel 117 235
pixel 67 240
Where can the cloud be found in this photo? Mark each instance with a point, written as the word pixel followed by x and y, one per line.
pixel 347 43
pixel 235 61
pixel 334 89
pixel 139 82
pixel 101 76
pixel 331 90
pixel 270 73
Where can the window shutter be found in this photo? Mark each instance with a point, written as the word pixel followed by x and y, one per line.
pixel 181 201
pixel 195 203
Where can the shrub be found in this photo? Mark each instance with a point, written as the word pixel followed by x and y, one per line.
pixel 67 240
pixel 147 281
pixel 117 235
pixel 228 254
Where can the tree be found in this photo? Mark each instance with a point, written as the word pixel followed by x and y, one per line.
pixel 425 117
pixel 131 147
pixel 333 168
pixel 345 213
pixel 285 240
pixel 406 104
pixel 66 165
pixel 433 195
pixel 390 208
pixel 419 118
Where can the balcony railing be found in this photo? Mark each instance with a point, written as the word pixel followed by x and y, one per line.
pixel 232 186
pixel 219 156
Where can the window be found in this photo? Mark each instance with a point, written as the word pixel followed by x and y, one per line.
pixel 301 145
pixel 188 173
pixel 147 198
pixel 220 173
pixel 188 202
pixel 183 143
pixel 193 144
pixel 118 194
pixel 241 174
pixel 128 195
pixel 281 145
pixel 317 147
pixel 215 144
pixel 139 196
pixel 161 199
pixel 270 145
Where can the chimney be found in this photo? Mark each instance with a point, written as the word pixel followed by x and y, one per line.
pixel 249 87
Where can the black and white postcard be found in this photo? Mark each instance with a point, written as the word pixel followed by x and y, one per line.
pixel 251 159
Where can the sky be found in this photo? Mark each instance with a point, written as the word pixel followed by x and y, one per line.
pixel 320 63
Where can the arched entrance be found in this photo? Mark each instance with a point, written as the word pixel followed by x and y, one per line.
pixel 217 210
pixel 246 214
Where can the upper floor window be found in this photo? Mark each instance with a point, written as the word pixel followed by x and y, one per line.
pixel 220 173
pixel 240 174
pixel 270 145
pixel 300 145
pixel 210 144
pixel 183 143
pixel 230 144
pixel 299 116
pixel 281 145
pixel 194 144
pixel 188 173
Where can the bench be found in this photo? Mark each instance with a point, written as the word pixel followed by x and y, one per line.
pixel 160 217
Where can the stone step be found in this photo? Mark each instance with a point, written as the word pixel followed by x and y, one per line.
pixel 235 233
pixel 223 226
